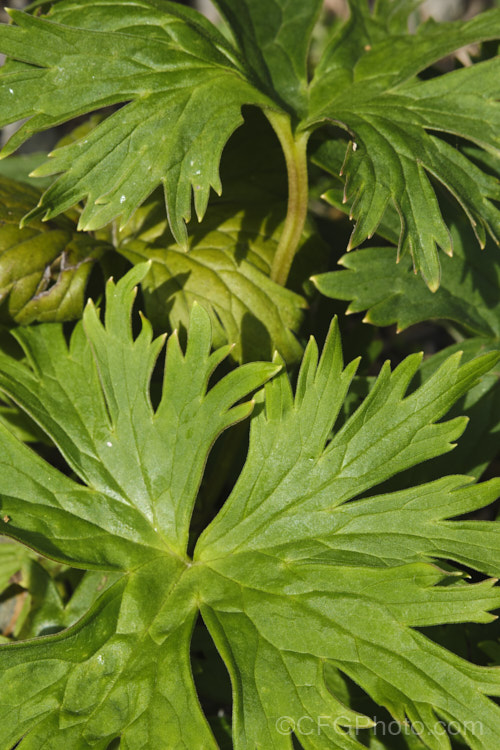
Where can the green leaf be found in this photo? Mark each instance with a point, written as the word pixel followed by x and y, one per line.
pixel 20 424
pixel 391 293
pixel 12 557
pixel 366 83
pixel 230 254
pixel 19 168
pixel 44 603
pixel 300 569
pixel 274 36
pixel 479 445
pixel 107 431
pixel 226 270
pixel 49 612
pixel 183 86
pixel 387 734
pixel 39 602
pixel 15 560
pixel 44 267
pixel 288 554
pixel 132 515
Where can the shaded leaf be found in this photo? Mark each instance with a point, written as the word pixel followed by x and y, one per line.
pixel 48 611
pixel 183 91
pixel 44 267
pixel 12 557
pixel 38 598
pixel 391 293
pixel 366 83
pixel 230 254
pixel 275 37
pixel 479 444
pixel 226 270
pixel 20 424
pixel 19 168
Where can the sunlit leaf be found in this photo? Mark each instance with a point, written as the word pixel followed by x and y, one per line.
pixel 301 568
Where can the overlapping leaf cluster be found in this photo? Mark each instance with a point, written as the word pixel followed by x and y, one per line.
pixel 183 85
pixel 330 568
pixel 228 263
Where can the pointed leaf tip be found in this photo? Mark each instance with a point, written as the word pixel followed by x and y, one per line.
pixel 278 359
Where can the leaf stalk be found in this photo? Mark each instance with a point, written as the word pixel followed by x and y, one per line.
pixel 295 152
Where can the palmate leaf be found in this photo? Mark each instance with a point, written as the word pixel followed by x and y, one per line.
pixel 136 495
pixel 274 37
pixel 367 83
pixel 103 415
pixel 479 445
pixel 296 572
pixel 283 529
pixel 392 293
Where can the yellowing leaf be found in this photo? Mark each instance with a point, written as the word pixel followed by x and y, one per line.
pixel 44 267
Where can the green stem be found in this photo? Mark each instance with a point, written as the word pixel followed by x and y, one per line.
pixel 295 152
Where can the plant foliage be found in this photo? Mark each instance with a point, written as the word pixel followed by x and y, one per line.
pixel 288 575
pixel 216 533
pixel 183 91
pixel 44 267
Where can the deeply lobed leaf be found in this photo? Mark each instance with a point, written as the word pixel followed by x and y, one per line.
pixel 227 271
pixel 175 122
pixel 392 293
pixel 110 435
pixel 367 83
pixel 300 568
pixel 280 554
